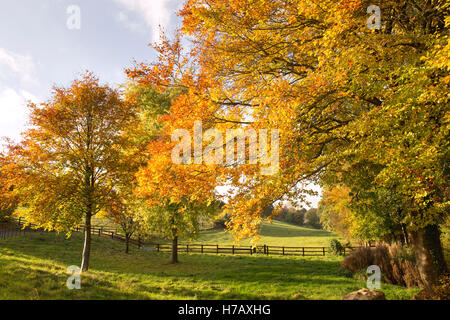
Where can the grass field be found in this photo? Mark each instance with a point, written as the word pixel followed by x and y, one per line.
pixel 275 234
pixel 34 266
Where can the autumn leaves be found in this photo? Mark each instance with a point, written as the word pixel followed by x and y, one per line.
pixel 325 98
pixel 236 143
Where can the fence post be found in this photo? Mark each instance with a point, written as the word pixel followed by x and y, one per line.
pixel 267 250
pixel 303 249
pixel 344 251
pixel 251 250
pixel 324 251
pixel 283 251
pixel 112 234
pixel 157 247
pixel 232 250
pixel 202 249
pixel 217 249
pixel 187 248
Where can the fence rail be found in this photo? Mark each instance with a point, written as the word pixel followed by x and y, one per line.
pixel 191 248
pixel 249 250
pixel 10 233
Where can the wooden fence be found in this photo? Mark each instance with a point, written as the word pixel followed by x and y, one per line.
pixel 249 250
pixel 10 233
pixel 193 248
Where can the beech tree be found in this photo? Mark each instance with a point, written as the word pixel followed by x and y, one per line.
pixel 67 166
pixel 341 94
pixel 7 204
pixel 175 200
pixel 175 221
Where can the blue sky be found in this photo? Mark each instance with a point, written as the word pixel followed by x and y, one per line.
pixel 38 50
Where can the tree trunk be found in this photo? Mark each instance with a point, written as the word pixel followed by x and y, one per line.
pixel 87 244
pixel 127 243
pixel 429 255
pixel 175 250
pixel 405 234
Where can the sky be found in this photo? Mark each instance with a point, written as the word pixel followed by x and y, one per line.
pixel 43 43
pixel 50 42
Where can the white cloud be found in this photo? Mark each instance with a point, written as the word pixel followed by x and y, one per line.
pixel 130 24
pixel 13 111
pixel 16 71
pixel 153 12
pixel 14 66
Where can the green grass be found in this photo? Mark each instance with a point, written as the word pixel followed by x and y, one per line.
pixel 275 234
pixel 34 267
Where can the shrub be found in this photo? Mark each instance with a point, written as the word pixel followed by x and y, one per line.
pixel 221 222
pixel 358 260
pixel 396 263
pixel 404 270
pixel 442 291
pixel 312 218
pixel 336 247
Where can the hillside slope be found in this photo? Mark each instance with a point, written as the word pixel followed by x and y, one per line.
pixel 275 234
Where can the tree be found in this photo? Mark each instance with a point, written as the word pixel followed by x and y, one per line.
pixel 177 220
pixel 342 95
pixel 372 215
pixel 7 207
pixel 176 195
pixel 267 212
pixel 312 218
pixel 334 212
pixel 298 217
pixel 124 206
pixel 289 215
pixel 69 160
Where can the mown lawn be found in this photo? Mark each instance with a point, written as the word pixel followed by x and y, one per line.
pixel 274 234
pixel 34 266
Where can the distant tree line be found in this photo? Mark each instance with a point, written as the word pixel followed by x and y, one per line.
pixel 300 217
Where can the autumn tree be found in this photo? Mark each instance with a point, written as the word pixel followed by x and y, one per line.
pixel 370 215
pixel 342 95
pixel 66 167
pixel 177 194
pixel 126 208
pixel 124 212
pixel 7 204
pixel 175 221
pixel 336 214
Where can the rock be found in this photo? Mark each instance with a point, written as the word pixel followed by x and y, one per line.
pixel 365 294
